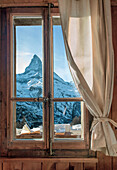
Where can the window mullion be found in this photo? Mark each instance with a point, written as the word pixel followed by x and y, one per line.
pixel 46 76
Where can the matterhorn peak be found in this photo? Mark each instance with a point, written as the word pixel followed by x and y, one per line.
pixel 35 64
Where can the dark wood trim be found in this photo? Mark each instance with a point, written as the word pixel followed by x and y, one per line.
pixel 26 11
pixel 0 81
pixel 113 2
pixel 38 4
pixel 15 99
pixel 3 80
pixel 86 160
pixel 114 103
pixel 28 4
pixel 42 99
pixel 79 99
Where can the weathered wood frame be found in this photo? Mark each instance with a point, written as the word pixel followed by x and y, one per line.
pixel 71 144
pixel 26 144
pixel 12 146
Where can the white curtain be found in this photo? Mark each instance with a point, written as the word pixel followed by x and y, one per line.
pixel 87 35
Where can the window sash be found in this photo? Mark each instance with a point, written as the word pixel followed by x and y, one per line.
pixel 32 144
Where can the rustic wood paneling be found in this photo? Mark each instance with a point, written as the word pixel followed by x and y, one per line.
pixel 12 165
pixel 7 3
pixel 62 166
pixel 31 165
pixel 89 166
pixel 114 31
pixel 114 104
pixel 3 82
pixel 0 165
pixel 114 2
pixel 0 87
pixel 76 166
pixel 12 3
pixel 104 162
pixel 48 165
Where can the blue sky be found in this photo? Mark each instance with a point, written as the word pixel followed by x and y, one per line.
pixel 29 42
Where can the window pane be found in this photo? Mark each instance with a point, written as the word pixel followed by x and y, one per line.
pixel 28 57
pixel 64 86
pixel 67 119
pixel 28 119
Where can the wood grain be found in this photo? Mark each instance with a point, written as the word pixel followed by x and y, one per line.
pixel 89 166
pixel 48 165
pixel 10 165
pixel 104 162
pixel 76 166
pixel 114 103
pixel 0 88
pixel 0 165
pixel 3 82
pixel 31 165
pixel 62 166
pixel 8 3
pixel 60 160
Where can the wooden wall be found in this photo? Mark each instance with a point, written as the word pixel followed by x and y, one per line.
pixel 7 3
pixel 48 164
pixel 104 162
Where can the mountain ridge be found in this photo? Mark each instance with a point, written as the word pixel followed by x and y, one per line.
pixel 30 84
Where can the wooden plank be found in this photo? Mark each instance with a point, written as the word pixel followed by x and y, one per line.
pixel 114 2
pixel 0 165
pixel 104 162
pixel 48 165
pixel 114 163
pixel 89 166
pixel 31 165
pixel 28 3
pixel 114 103
pixel 6 3
pixel 60 160
pixel 3 83
pixel 42 153
pixel 114 33
pixel 62 166
pixel 0 87
pixel 76 166
pixel 16 165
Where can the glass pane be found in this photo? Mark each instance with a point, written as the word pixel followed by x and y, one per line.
pixel 64 86
pixel 28 119
pixel 67 119
pixel 28 57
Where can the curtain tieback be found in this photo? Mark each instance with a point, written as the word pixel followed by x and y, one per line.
pixel 102 119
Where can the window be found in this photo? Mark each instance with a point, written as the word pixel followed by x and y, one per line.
pixel 46 110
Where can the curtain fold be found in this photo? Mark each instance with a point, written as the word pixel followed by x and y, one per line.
pixel 87 35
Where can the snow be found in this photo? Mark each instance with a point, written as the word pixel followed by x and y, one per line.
pixel 30 84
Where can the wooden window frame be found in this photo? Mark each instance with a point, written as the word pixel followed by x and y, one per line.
pixel 32 144
pixel 71 144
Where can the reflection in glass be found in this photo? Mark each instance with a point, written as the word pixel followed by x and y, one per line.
pixel 67 119
pixel 28 119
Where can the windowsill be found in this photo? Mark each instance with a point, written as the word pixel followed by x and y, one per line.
pixel 78 160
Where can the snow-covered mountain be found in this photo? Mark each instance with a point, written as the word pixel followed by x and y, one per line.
pixel 30 83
